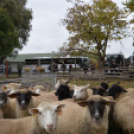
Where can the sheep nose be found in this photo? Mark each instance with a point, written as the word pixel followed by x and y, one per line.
pixel 97 117
pixel 22 102
pixel 50 126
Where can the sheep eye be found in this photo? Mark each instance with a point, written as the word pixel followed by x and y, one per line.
pixel 81 90
pixel 91 102
pixel 55 111
pixel 40 113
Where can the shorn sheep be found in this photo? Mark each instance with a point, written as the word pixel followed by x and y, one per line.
pixel 11 86
pixel 91 117
pixel 7 105
pixel 43 122
pixel 124 108
pixel 26 99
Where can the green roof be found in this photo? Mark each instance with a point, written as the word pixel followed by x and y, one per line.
pixel 22 57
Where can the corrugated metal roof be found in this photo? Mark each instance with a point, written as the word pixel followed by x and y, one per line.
pixel 22 57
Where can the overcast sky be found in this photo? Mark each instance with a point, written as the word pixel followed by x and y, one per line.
pixel 47 35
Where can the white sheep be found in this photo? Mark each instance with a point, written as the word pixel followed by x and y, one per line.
pixel 88 120
pixel 81 92
pixel 43 122
pixel 11 86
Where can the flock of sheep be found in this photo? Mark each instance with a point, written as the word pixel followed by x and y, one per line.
pixel 68 109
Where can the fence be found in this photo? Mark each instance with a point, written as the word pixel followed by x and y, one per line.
pixel 31 79
pixel 2 69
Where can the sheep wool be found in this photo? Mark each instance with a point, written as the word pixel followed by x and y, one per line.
pixel 77 120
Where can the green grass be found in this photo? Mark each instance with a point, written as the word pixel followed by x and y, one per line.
pixel 93 83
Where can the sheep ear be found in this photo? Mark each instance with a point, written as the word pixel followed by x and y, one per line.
pixel 57 85
pixel 118 83
pixel 34 94
pixel 13 95
pixel 83 104
pixel 4 87
pixel 110 102
pixel 86 87
pixel 59 109
pixel 60 106
pixel 33 111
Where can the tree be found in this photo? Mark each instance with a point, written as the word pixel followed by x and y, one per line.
pixel 130 9
pixel 8 36
pixel 21 18
pixel 129 5
pixel 91 27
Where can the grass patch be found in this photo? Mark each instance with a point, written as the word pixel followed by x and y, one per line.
pixel 129 83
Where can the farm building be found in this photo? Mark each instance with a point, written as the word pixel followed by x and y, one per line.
pixel 21 58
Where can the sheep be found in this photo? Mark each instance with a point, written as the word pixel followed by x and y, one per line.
pixel 130 92
pixel 25 100
pixel 7 105
pixel 99 90
pixel 83 93
pixel 39 89
pixel 43 122
pixel 104 85
pixel 63 90
pixel 59 82
pixel 45 96
pixel 124 108
pixel 1 115
pixel 92 119
pixel 11 86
